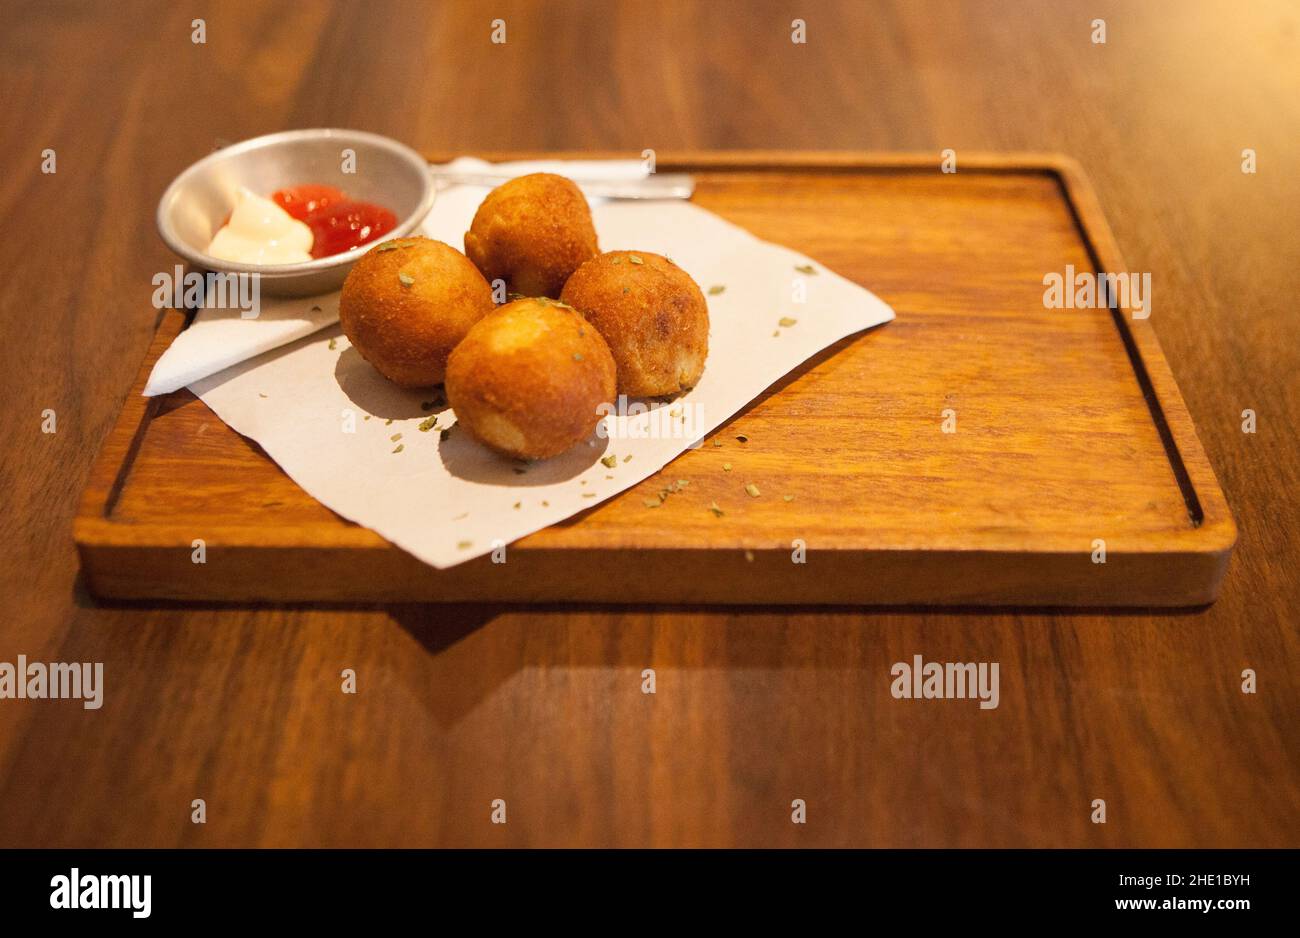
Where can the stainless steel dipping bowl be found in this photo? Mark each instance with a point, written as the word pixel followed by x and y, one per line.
pixel 198 201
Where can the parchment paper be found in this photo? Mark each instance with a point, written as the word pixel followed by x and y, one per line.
pixel 449 500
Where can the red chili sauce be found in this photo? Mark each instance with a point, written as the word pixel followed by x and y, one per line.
pixel 337 223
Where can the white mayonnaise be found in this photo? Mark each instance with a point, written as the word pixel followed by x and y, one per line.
pixel 260 232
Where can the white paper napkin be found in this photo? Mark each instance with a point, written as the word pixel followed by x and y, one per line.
pixel 219 338
pixel 449 500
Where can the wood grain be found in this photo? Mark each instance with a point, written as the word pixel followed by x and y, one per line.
pixel 461 704
pixel 1062 440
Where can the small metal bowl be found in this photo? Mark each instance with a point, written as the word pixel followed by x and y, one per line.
pixel 198 201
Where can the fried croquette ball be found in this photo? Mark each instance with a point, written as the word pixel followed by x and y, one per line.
pixel 405 307
pixel 652 315
pixel 530 378
pixel 532 232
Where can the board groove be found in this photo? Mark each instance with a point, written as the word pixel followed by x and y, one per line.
pixel 1195 513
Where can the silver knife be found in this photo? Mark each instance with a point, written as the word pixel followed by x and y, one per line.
pixel 654 186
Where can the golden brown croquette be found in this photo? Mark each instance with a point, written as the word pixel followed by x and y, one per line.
pixel 529 378
pixel 404 308
pixel 652 315
pixel 532 232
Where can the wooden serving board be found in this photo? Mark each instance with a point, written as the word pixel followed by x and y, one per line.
pixel 1069 431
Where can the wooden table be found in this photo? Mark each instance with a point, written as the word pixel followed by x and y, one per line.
pixel 754 708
